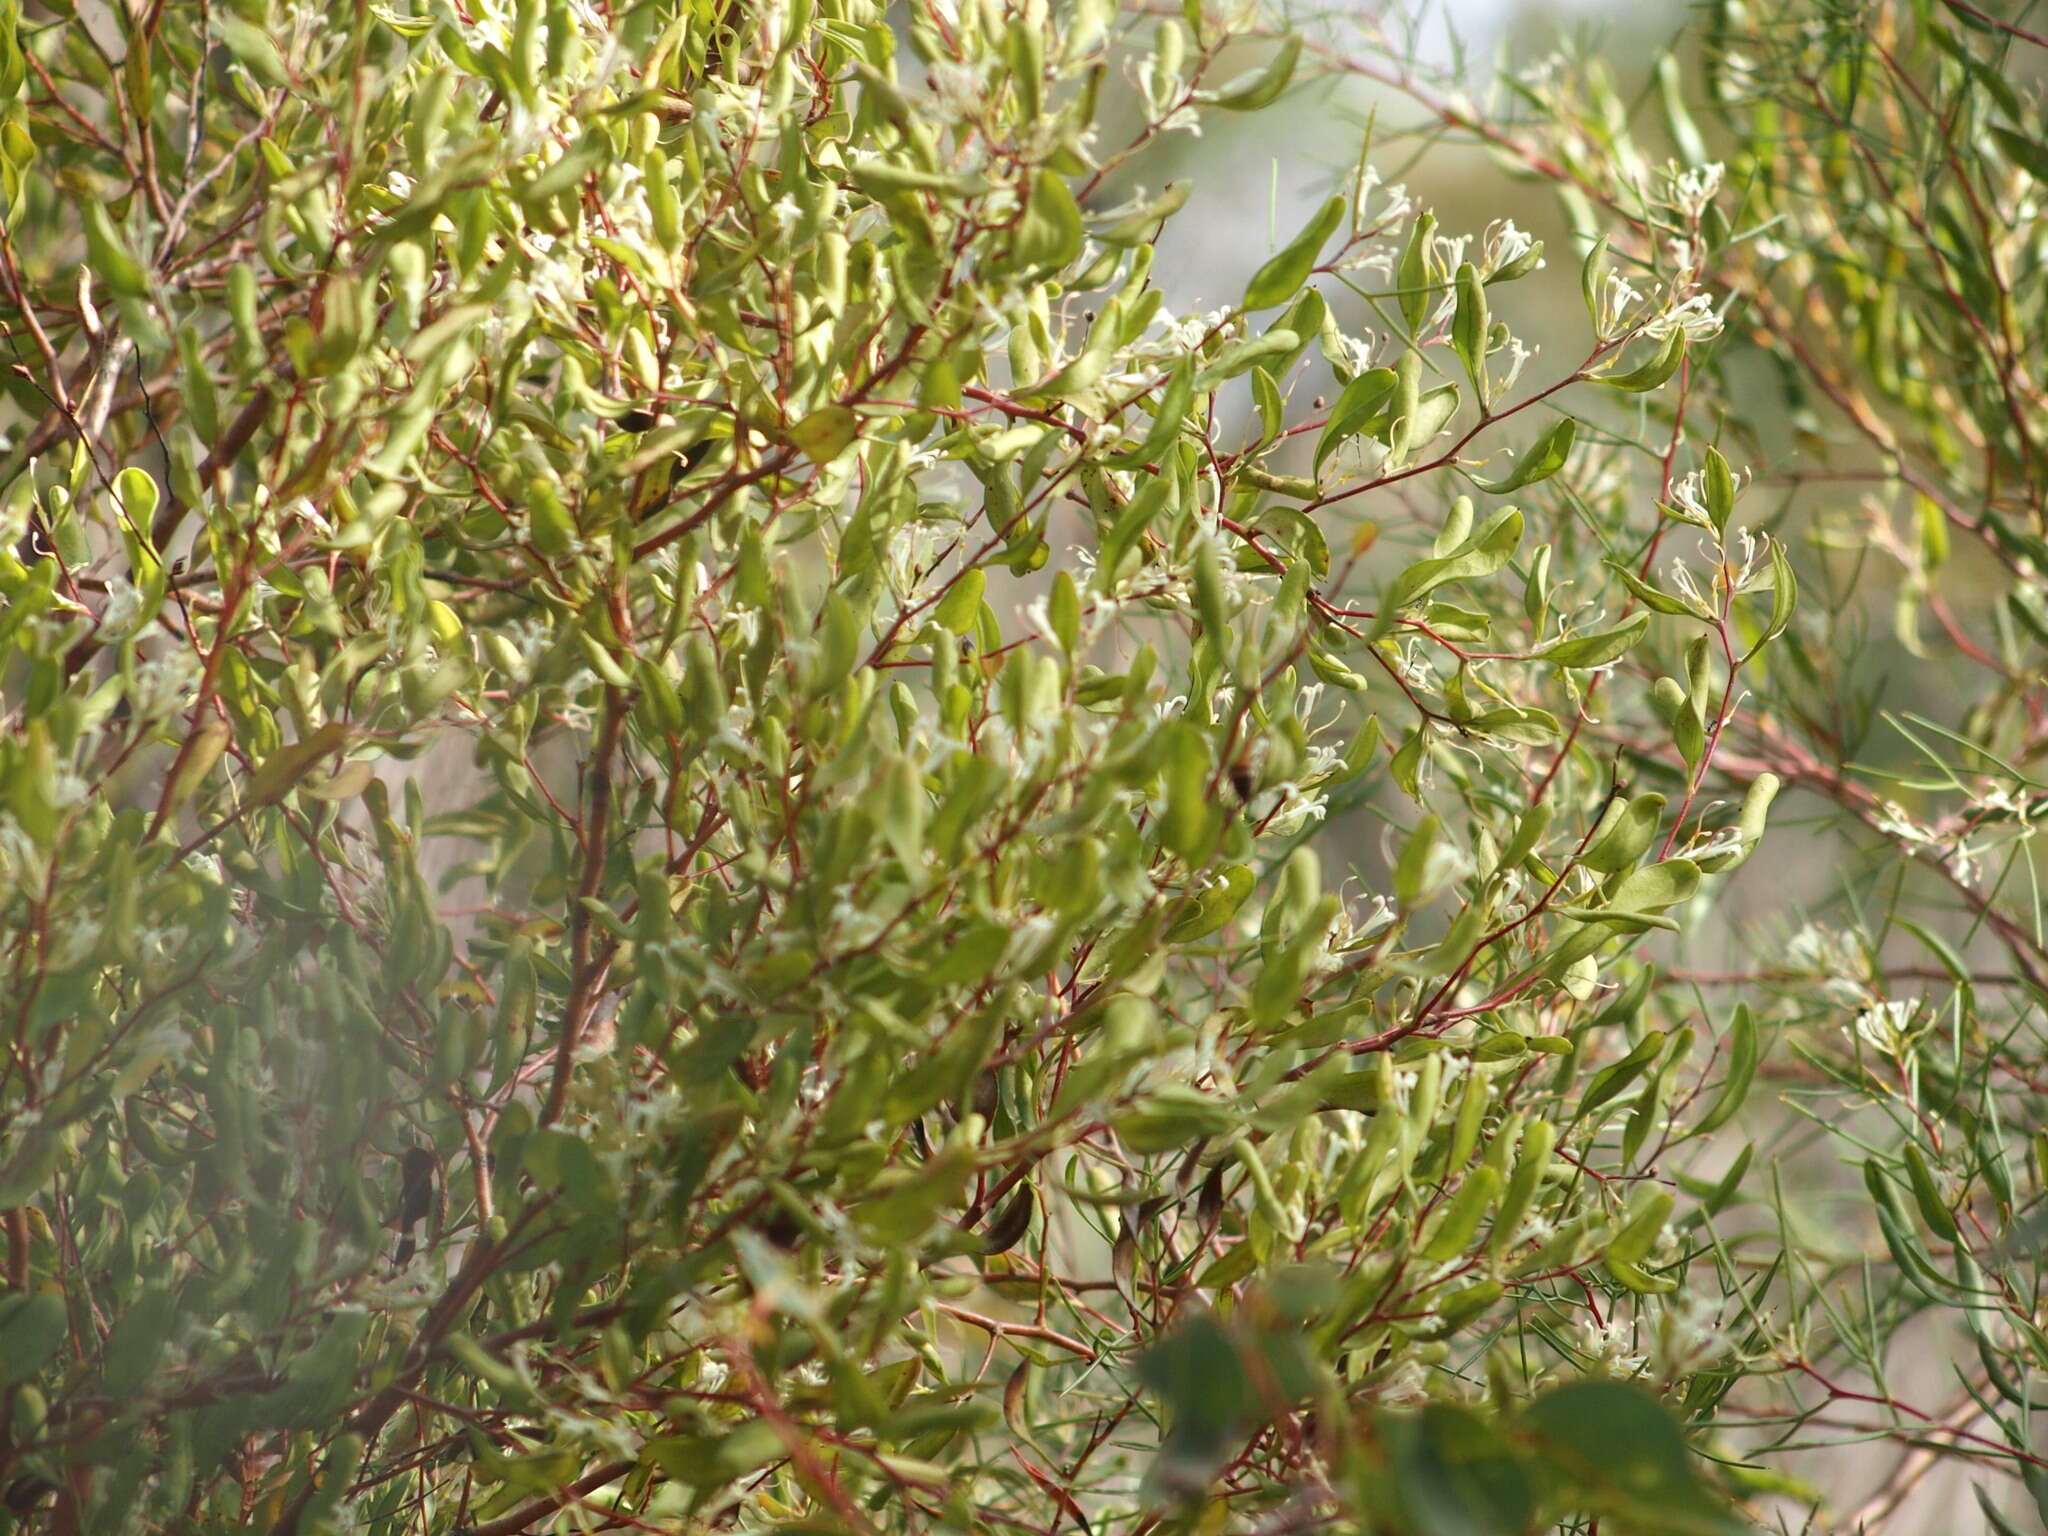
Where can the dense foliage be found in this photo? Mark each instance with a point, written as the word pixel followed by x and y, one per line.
pixel 1881 258
pixel 672 766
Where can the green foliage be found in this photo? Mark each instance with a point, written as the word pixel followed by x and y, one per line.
pixel 663 753
pixel 1879 240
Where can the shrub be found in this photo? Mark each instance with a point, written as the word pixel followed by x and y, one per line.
pixel 664 746
pixel 1881 255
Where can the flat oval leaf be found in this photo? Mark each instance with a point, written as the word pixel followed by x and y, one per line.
pixel 1281 278
pixel 824 434
pixel 1262 87
pixel 1597 650
pixel 1546 456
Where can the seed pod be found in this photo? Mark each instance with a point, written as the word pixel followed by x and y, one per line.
pixel 1008 1226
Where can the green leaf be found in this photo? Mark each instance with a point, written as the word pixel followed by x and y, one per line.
pixel 1934 1210
pixel 1784 599
pixel 1413 276
pixel 1136 228
pixel 1197 1372
pixel 1654 598
pixel 288 766
pixel 1064 611
pixel 1272 410
pixel 1598 649
pixel 1639 1232
pixel 1592 274
pixel 2030 154
pixel 1743 1056
pixel 1459 1220
pixel 909 1205
pixel 905 809
pixel 1421 426
pixel 1175 1115
pixel 1469 323
pixel 958 610
pixel 1653 373
pixel 1262 87
pixel 1281 277
pixel 879 176
pixel 1412 870
pixel 1245 353
pixel 1455 1475
pixel 1220 901
pixel 1190 824
pixel 1480 555
pixel 1545 457
pixel 1525 727
pixel 1613 1081
pixel 108 254
pixel 1363 398
pixel 1624 832
pixel 1749 826
pixel 1209 601
pixel 136 489
pixel 824 434
pixel 1719 488
pixel 1618 1446
pixel 138 1339
pixel 1169 416
pixel 32 1330
pixel 1050 233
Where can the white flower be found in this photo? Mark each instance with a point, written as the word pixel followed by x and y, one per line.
pixel 1688 1332
pixel 1612 302
pixel 1689 500
pixel 1814 948
pixel 1681 578
pixel 1748 567
pixel 1403 1081
pixel 2000 797
pixel 1194 330
pixel 1408 1383
pixel 162 682
pixel 1727 840
pixel 1450 250
pixel 853 923
pixel 1395 207
pixel 1695 317
pixel 1292 810
pixel 123 603
pixel 1368 258
pixel 64 788
pixel 1506 244
pixel 1612 1344
pixel 1518 358
pixel 1885 1026
pixel 1537 1229
pixel 1546 70
pixel 1893 821
pixel 1689 191
pixel 1358 352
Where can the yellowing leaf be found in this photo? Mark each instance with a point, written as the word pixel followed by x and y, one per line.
pixel 824 434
